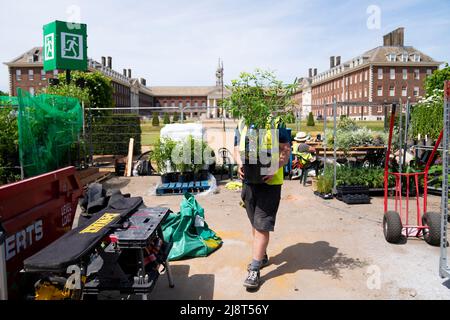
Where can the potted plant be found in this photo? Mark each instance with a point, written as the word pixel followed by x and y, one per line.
pixel 256 98
pixel 162 156
pixel 325 185
pixel 193 156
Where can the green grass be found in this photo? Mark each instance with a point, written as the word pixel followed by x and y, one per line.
pixel 150 134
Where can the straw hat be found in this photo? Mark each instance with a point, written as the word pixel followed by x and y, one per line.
pixel 301 137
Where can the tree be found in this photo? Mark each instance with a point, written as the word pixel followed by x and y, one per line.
pixel 436 80
pixel 3 93
pixel 166 118
pixel 176 117
pixel 311 122
pixel 95 85
pixel 155 120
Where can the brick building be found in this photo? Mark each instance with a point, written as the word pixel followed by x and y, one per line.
pixel 383 75
pixel 27 72
pixel 130 94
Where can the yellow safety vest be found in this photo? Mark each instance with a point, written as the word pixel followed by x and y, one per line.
pixel 278 178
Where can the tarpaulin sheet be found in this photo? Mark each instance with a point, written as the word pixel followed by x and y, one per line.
pixel 189 231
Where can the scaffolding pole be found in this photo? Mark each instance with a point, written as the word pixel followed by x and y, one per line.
pixel 444 270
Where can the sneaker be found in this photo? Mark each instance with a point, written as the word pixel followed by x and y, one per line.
pixel 252 281
pixel 265 263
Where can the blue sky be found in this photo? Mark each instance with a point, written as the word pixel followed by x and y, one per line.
pixel 177 42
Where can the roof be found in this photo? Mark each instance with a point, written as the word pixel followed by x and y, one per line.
pixel 376 56
pixel 379 54
pixel 26 59
pixel 182 91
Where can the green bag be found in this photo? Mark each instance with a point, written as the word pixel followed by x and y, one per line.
pixel 189 231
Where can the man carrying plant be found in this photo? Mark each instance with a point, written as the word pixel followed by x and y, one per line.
pixel 262 198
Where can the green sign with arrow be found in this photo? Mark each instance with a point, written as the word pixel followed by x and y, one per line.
pixel 65 46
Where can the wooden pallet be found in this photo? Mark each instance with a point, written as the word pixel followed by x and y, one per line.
pixel 178 188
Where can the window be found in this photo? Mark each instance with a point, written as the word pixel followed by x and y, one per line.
pixel 417 74
pixel 30 74
pixel 360 77
pixel 32 91
pixel 429 72
pixel 346 81
pixel 351 80
pixel 203 104
pixel 392 91
pixel 380 91
pixel 416 57
pixel 365 76
pixel 379 109
pixel 360 93
pixel 180 104
pixel 404 91
pixel 392 74
pixel 404 57
pixel 365 92
pixel 188 104
pixel 351 95
pixel 18 75
pixel 405 74
pixel 416 91
pixel 196 104
pixel 392 57
pixel 380 73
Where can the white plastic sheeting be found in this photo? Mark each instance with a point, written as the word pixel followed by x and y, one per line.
pixel 180 132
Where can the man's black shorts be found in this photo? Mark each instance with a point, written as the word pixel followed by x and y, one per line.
pixel 261 202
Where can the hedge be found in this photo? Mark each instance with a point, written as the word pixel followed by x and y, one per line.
pixel 111 135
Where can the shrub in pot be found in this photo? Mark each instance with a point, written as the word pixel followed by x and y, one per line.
pixel 162 156
pixel 255 98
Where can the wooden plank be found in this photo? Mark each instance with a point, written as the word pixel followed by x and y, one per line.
pixel 130 158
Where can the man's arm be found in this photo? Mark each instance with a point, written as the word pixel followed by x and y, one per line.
pixel 285 154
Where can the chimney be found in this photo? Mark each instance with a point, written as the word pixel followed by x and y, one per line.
pixel 310 72
pixel 395 38
pixel 315 72
pixel 110 63
pixel 125 72
pixel 129 73
pixel 103 62
pixel 331 62
pixel 338 61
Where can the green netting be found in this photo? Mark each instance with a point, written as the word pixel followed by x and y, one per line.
pixel 6 101
pixel 48 128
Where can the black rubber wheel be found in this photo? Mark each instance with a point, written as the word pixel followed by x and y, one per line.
pixel 392 227
pixel 432 234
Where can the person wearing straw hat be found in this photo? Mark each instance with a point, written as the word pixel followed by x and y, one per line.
pixel 302 154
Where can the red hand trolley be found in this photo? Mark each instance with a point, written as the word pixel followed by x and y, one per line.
pixel 396 224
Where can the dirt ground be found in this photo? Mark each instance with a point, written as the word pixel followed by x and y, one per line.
pixel 320 250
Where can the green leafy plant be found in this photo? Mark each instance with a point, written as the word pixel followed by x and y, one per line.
pixel 192 153
pixel 358 176
pixel 350 135
pixel 176 117
pixel 162 155
pixel 325 181
pixel 9 144
pixel 311 122
pixel 255 97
